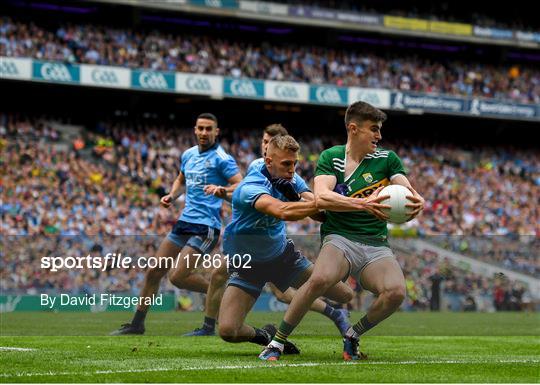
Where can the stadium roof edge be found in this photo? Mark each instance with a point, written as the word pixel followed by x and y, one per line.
pixel 218 10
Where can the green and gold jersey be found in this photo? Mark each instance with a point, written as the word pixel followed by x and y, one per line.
pixel 374 170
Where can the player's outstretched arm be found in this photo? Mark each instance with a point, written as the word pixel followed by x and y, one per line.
pixel 286 211
pixel 175 192
pixel 224 192
pixel 327 199
pixel 307 196
pixel 417 201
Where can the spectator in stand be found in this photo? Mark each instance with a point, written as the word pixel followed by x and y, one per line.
pixel 435 299
pixel 156 50
pixel 87 200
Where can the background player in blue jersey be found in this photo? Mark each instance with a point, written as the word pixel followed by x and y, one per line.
pixel 266 198
pixel 198 228
pixel 219 276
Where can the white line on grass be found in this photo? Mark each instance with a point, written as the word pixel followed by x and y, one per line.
pixel 16 349
pixel 263 365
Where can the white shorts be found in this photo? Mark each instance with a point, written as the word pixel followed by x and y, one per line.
pixel 358 254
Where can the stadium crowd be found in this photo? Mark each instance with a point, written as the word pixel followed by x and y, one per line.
pixel 94 44
pixel 98 194
pixel 438 285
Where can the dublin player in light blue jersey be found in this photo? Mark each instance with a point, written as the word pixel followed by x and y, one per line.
pixel 219 276
pixel 256 244
pixel 198 228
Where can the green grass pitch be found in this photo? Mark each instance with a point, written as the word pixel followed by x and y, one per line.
pixel 408 347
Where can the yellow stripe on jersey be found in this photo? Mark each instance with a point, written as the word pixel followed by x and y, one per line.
pixel 367 191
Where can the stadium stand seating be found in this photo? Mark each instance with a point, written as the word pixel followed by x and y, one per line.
pixel 102 188
pixel 95 44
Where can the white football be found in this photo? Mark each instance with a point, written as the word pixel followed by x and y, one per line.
pixel 398 213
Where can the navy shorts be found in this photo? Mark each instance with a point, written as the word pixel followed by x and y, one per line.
pixel 282 271
pixel 200 237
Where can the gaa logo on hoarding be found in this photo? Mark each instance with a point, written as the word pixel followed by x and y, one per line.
pixel 8 68
pixel 475 107
pixel 213 3
pixel 100 76
pixel 243 88
pixel 55 71
pixel 198 84
pixel 286 92
pixel 328 95
pixel 11 304
pixel 153 80
pixel 398 100
pixel 373 98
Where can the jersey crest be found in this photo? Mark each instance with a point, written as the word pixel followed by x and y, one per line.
pixel 368 177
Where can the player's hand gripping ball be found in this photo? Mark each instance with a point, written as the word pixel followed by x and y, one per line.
pixel 398 213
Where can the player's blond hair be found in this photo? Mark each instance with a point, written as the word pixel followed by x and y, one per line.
pixel 284 142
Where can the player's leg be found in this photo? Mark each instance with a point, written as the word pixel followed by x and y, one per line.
pixel 152 279
pixel 216 290
pixel 329 269
pixel 338 316
pixel 339 292
pixel 195 254
pixel 384 278
pixel 182 275
pixel 213 300
pixel 236 304
pixel 238 299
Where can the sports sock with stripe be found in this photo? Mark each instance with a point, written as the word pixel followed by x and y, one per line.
pixel 331 312
pixel 360 328
pixel 282 334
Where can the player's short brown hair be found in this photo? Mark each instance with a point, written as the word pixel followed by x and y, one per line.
pixel 359 112
pixel 275 129
pixel 209 116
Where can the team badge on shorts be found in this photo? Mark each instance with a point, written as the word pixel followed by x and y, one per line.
pixel 368 177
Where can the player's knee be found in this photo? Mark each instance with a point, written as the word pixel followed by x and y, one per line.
pixel 219 277
pixel 155 275
pixel 227 332
pixel 176 277
pixel 319 283
pixel 395 295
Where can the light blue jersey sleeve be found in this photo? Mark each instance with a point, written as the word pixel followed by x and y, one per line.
pixel 183 161
pixel 228 167
pixel 250 192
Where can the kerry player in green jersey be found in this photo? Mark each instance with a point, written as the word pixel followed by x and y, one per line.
pixel 348 180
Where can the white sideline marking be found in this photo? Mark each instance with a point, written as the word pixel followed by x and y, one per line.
pixel 263 365
pixel 16 349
